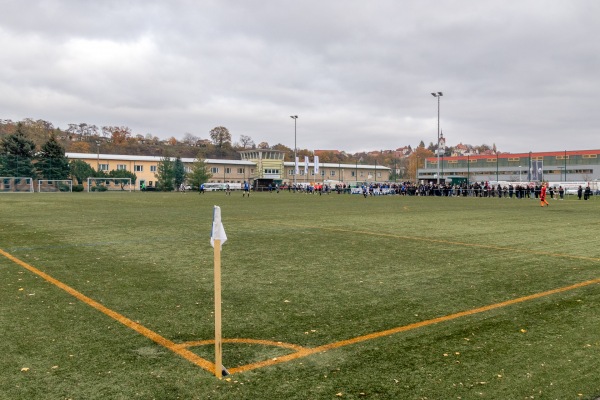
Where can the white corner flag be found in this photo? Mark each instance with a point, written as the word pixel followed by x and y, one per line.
pixel 218 235
pixel 218 232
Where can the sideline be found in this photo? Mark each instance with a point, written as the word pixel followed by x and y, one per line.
pixel 442 241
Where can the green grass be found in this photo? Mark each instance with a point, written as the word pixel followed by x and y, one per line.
pixel 306 270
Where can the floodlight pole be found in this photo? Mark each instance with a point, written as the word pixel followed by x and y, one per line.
pixel 295 118
pixel 437 149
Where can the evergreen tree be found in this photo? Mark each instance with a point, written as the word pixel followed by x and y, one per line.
pixel 199 173
pixel 179 174
pixel 165 174
pixel 19 154
pixel 80 170
pixel 52 163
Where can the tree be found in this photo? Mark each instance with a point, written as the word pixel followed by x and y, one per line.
pixel 20 152
pixel 80 170
pixel 220 135
pixel 52 163
pixel 417 160
pixel 190 139
pixel 246 142
pixel 122 173
pixel 199 173
pixel 179 174
pixel 165 174
pixel 263 145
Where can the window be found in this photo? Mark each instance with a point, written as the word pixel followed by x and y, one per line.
pixel 122 167
pixel 241 170
pixel 153 168
pixel 271 171
pixel 353 174
pixel 588 156
pixel 103 167
pixel 291 172
pixel 227 170
pixel 492 159
pixel 511 159
pixel 379 174
pixel 562 157
pixel 139 168
pixel 332 173
pixel 214 170
pixel 452 161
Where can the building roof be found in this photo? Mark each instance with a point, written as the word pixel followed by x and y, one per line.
pixel 520 155
pixel 125 157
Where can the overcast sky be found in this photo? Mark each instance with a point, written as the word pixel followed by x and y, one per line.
pixel 524 75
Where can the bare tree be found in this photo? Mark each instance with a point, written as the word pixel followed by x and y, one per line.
pixel 189 139
pixel 246 142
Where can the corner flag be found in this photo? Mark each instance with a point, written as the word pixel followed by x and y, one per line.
pixel 218 232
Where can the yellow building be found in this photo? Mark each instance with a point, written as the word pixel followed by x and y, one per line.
pixel 259 167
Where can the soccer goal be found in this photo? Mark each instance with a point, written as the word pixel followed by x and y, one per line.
pixel 55 185
pixel 12 184
pixel 109 184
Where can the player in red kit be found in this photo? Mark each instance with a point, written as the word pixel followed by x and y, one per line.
pixel 543 196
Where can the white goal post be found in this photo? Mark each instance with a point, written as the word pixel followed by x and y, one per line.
pixel 55 185
pixel 16 184
pixel 109 184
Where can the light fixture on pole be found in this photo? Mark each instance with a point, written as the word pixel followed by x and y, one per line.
pixel 438 95
pixel 295 118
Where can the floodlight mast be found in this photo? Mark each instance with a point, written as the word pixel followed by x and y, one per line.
pixel 437 149
pixel 295 118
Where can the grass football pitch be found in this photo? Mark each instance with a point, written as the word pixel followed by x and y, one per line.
pixel 110 296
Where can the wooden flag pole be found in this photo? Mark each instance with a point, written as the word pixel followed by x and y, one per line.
pixel 218 338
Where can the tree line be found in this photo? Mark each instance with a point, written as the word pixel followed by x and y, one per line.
pixel 88 138
pixel 19 157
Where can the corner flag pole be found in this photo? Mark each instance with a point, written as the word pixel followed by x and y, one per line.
pixel 217 238
pixel 218 334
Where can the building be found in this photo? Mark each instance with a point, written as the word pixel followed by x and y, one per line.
pixel 559 166
pixel 258 166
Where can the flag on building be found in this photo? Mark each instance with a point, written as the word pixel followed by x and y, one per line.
pixel 316 160
pixel 218 232
pixel 306 165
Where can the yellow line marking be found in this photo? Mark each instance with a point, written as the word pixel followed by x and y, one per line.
pixel 300 352
pixel 181 351
pixel 442 241
pixel 375 335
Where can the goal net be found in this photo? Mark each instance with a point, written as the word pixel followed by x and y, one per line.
pixel 55 185
pixel 12 184
pixel 109 184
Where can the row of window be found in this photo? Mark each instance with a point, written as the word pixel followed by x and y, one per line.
pixel 240 171
pixel 517 159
